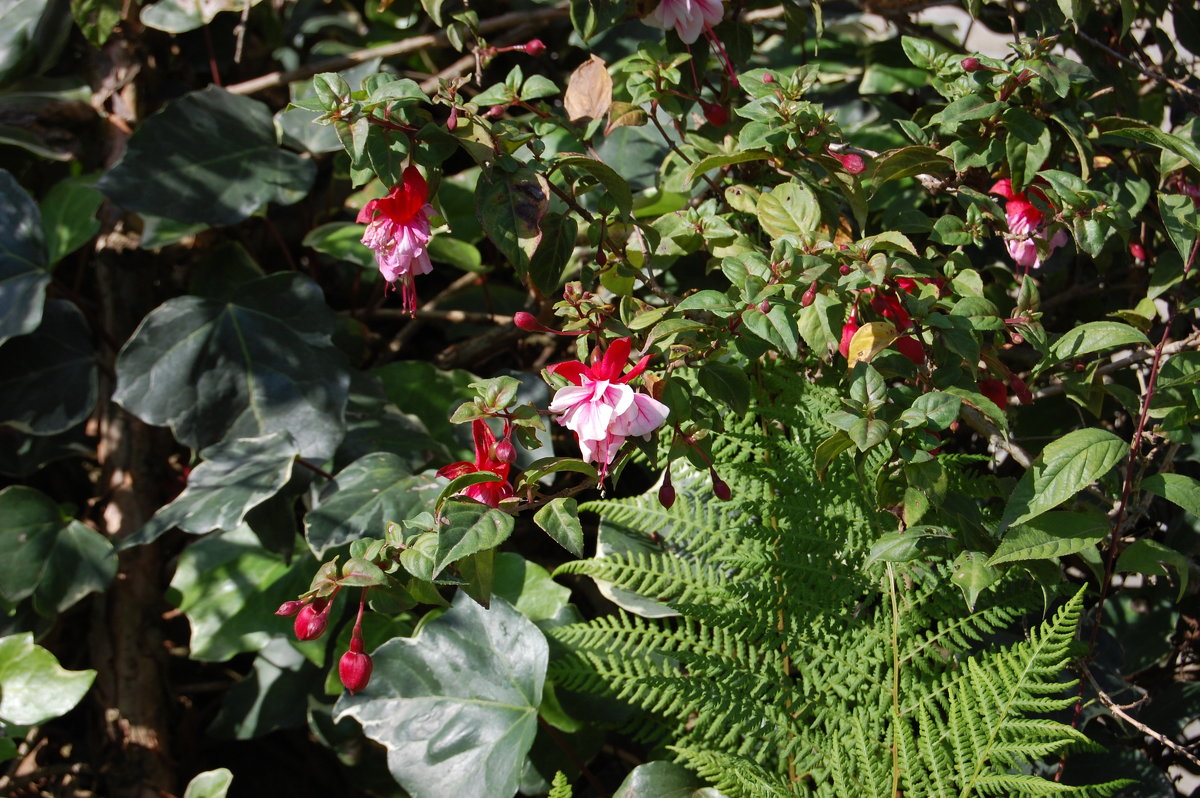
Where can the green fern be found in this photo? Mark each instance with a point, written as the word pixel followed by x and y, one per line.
pixel 785 668
pixel 560 787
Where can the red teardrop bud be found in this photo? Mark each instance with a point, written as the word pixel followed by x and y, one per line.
pixel 452 121
pixel 1137 250
pixel 852 163
pixel 495 111
pixel 768 77
pixel 764 306
pixel 534 47
pixel 354 668
pixel 289 608
pixel 312 619
pixel 809 296
pixel 911 348
pixel 666 493
pixel 971 64
pixel 844 269
pixel 720 487
pixel 505 451
pixel 527 321
pixel 994 390
pixel 716 114
pixel 848 331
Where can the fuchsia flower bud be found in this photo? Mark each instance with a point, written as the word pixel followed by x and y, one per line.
pixel 994 390
pixel 720 487
pixel 354 668
pixel 505 451
pixel 666 492
pixel 768 77
pixel 851 162
pixel 971 64
pixel 289 608
pixel 809 296
pixel 716 114
pixel 312 619
pixel 534 47
pixel 1137 250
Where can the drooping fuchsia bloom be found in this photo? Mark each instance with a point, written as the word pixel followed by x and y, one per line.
pixel 600 407
pixel 1026 224
pixel 487 458
pixel 400 233
pixel 687 17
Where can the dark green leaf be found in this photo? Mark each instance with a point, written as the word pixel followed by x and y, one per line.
pixel 1151 557
pixel 1065 467
pixel 23 262
pixel 69 216
pixel 48 378
pixel 663 780
pixel 726 383
pixel 456 707
pixel 209 157
pixel 1095 336
pixel 255 364
pixel 559 233
pixel 1027 146
pixel 510 208
pixel 1054 534
pixel 1150 134
pixel 560 520
pixel 343 240
pixel 469 527
pixel 1178 488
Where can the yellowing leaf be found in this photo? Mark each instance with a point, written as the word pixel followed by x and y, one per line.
pixel 871 339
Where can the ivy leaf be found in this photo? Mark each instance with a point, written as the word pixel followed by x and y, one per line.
pixel 33 687
pixel 251 365
pixel 229 586
pixel 69 216
pixel 456 707
pixel 208 157
pixel 53 558
pixel 234 478
pixel 23 275
pixel 663 780
pixel 363 497
pixel 48 378
pixel 1065 467
pixel 209 784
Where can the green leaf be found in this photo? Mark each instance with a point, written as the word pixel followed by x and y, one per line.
pixel 829 449
pixel 1182 490
pixel 1027 145
pixel 663 780
pixel 528 587
pixel 343 240
pixel 1065 467
pixel 775 327
pixel 48 379
pixel 559 234
pixel 235 477
pixel 363 497
pixel 33 687
pixel 456 707
pixel 47 555
pixel 789 209
pixel 615 185
pixel 1051 535
pixel 357 572
pixel 97 18
pixel 209 784
pixel 1180 218
pixel 254 364
pixel 1147 556
pixel 936 409
pixel 69 216
pixel 726 383
pixel 973 576
pixel 469 527
pixel 1094 337
pixel 908 162
pixel 725 159
pixel 560 520
pixel 459 254
pixel 510 207
pixel 181 16
pixel 1150 134
pixel 209 157
pixel 229 586
pixel 23 262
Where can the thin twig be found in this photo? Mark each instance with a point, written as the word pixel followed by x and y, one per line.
pixel 1117 710
pixel 392 49
pixel 1132 359
pixel 457 316
pixel 1150 73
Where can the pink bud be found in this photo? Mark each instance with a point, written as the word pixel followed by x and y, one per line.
pixel 720 487
pixel 527 321
pixel 716 114
pixel 851 162
pixel 844 269
pixel 764 306
pixel 354 668
pixel 768 77
pixel 495 111
pixel 289 608
pixel 312 619
pixel 534 47
pixel 848 331
pixel 452 121
pixel 1137 250
pixel 505 451
pixel 971 64
pixel 809 296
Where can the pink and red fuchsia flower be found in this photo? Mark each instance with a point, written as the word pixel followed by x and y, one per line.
pixel 1026 224
pixel 687 17
pixel 400 232
pixel 489 456
pixel 600 407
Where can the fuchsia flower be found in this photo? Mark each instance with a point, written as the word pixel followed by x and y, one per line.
pixel 600 407
pixel 687 17
pixel 400 233
pixel 1026 224
pixel 487 458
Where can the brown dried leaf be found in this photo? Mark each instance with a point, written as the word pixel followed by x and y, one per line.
pixel 589 91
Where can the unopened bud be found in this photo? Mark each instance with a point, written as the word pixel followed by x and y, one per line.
pixel 844 269
pixel 495 111
pixel 1137 250
pixel 505 451
pixel 764 306
pixel 716 114
pixel 312 619
pixel 355 667
pixel 289 608
pixel 528 322
pixel 534 47
pixel 768 77
pixel 809 296
pixel 720 487
pixel 971 64
pixel 452 122
pixel 666 493
pixel 852 162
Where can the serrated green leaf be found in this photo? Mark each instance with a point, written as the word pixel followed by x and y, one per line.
pixel 560 520
pixel 789 209
pixel 1054 534
pixel 1065 467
